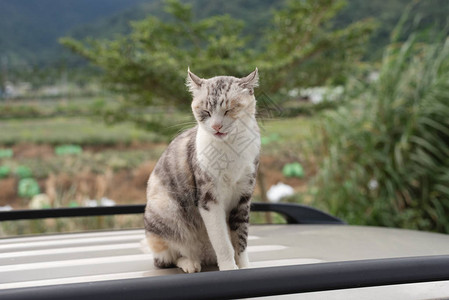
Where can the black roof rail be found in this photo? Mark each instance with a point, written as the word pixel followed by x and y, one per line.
pixel 297 213
pixel 30 214
pixel 246 283
pixel 293 213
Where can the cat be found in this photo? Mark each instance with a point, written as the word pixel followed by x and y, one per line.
pixel 198 195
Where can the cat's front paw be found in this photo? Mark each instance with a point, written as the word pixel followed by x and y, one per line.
pixel 188 265
pixel 227 266
pixel 242 260
pixel 243 263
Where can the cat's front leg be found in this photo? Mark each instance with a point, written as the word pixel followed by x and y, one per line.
pixel 238 225
pixel 214 217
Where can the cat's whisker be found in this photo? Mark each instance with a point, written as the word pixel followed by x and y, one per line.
pixel 182 124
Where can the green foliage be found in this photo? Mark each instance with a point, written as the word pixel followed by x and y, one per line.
pixel 4 171
pixel 293 170
pixel 68 149
pixel 386 155
pixel 47 108
pixel 265 140
pixel 303 49
pixel 18 111
pixel 6 153
pixel 28 187
pixel 23 172
pixel 308 108
pixel 148 66
pixel 429 16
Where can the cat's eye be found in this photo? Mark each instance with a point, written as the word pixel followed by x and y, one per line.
pixel 207 112
pixel 226 112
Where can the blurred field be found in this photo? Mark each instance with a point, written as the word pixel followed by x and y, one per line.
pixel 72 130
pixel 290 136
pixel 116 161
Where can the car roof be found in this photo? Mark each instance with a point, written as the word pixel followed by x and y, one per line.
pixel 49 260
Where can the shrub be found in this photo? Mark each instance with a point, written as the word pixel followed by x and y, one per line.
pixel 385 155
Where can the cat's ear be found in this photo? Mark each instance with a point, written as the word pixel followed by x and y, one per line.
pixel 193 81
pixel 251 81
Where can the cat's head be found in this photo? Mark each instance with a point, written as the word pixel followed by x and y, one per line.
pixel 219 101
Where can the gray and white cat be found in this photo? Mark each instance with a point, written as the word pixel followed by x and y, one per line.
pixel 199 191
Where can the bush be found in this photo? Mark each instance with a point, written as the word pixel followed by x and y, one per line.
pixel 385 155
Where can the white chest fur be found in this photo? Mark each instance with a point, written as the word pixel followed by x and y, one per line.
pixel 228 161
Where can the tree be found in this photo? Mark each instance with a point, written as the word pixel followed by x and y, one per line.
pixel 148 66
pixel 303 49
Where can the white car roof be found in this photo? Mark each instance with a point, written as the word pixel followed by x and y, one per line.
pixel 62 259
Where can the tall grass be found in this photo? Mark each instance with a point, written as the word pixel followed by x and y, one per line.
pixel 386 154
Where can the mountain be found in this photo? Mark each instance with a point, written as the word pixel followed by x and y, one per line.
pixel 29 29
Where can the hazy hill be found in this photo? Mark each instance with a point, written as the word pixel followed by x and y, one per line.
pixel 29 29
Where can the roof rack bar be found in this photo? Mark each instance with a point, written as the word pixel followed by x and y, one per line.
pixel 30 214
pixel 248 283
pixel 293 213
pixel 297 213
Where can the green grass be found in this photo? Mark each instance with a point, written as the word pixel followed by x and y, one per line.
pixel 288 129
pixel 73 130
pixel 45 108
pixel 288 136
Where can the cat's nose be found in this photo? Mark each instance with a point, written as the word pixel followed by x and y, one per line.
pixel 217 127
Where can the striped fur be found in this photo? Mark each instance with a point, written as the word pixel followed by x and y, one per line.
pixel 199 193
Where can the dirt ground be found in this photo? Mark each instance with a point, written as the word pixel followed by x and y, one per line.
pixel 124 186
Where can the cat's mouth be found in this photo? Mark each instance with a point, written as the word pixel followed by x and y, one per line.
pixel 220 134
